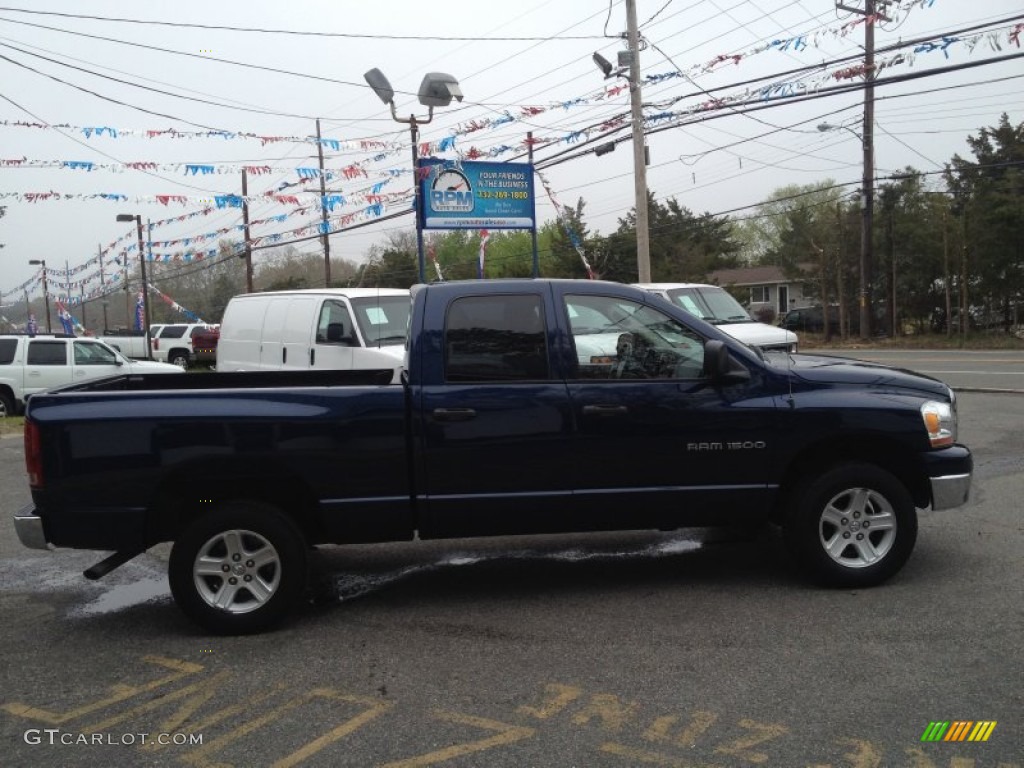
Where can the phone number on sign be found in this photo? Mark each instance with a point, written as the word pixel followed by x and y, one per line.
pixel 484 194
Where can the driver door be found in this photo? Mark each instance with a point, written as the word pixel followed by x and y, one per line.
pixel 658 443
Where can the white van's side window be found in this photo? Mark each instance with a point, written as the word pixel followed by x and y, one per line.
pixel 335 325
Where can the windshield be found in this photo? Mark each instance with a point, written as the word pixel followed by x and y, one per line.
pixel 711 304
pixel 382 320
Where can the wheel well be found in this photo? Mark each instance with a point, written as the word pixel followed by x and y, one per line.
pixel 182 498
pixel 893 457
pixel 8 394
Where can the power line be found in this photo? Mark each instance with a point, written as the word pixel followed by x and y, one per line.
pixel 302 33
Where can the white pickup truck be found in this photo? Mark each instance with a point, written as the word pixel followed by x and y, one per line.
pixel 31 364
pixel 130 343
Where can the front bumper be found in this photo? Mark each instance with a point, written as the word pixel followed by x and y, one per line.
pixel 949 473
pixel 950 491
pixel 29 527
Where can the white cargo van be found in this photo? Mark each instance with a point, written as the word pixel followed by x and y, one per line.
pixel 318 329
pixel 715 305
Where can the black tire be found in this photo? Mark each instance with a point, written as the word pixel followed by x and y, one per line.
pixel 261 548
pixel 853 525
pixel 6 405
pixel 179 359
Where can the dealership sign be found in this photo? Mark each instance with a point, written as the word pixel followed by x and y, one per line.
pixel 475 195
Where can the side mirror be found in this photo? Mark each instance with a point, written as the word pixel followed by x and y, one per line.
pixel 718 364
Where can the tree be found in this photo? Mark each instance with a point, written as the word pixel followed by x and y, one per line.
pixel 912 223
pixel 988 197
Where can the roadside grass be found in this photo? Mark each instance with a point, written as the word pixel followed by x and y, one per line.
pixel 976 340
pixel 12 425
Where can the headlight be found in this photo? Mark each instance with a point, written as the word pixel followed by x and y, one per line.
pixel 940 422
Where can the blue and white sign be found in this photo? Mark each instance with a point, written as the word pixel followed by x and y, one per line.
pixel 476 195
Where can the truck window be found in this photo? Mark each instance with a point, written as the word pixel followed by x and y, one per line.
pixel 335 325
pixel 7 347
pixel 496 338
pixel 173 331
pixel 89 353
pixel 47 353
pixel 382 319
pixel 619 339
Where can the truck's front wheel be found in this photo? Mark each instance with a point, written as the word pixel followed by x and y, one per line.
pixel 240 569
pixel 853 525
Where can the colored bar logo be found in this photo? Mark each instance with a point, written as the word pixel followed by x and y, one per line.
pixel 958 730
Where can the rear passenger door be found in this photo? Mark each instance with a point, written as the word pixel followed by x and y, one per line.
pixel 496 431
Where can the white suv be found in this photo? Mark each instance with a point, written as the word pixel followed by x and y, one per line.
pixel 173 343
pixel 715 305
pixel 30 364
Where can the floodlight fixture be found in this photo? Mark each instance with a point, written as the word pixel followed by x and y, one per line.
pixel 603 64
pixel 376 80
pixel 438 89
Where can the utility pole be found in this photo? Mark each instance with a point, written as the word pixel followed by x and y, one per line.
pixel 870 14
pixel 323 209
pixel 643 235
pixel 245 232
pixel 103 295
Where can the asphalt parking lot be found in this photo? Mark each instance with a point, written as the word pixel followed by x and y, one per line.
pixel 663 649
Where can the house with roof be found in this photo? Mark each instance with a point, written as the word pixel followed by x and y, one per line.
pixel 766 291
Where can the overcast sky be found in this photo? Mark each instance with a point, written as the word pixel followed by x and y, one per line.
pixel 526 66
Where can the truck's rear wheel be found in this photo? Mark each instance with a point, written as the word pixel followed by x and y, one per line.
pixel 852 526
pixel 239 569
pixel 6 405
pixel 179 359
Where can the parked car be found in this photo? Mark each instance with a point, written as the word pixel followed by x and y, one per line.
pixel 811 320
pixel 496 428
pixel 314 329
pixel 173 343
pixel 33 364
pixel 717 306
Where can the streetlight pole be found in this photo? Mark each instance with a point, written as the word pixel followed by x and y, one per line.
pixel 46 292
pixel 145 281
pixel 867 206
pixel 436 90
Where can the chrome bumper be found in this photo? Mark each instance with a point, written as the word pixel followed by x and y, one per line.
pixel 950 491
pixel 29 527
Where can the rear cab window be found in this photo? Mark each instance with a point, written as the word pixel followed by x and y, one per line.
pixel 47 353
pixel 7 350
pixel 496 338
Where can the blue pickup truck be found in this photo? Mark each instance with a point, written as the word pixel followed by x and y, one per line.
pixel 526 407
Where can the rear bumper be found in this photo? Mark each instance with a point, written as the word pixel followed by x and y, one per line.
pixel 29 527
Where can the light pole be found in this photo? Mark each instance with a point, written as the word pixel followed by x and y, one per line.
pixel 436 90
pixel 867 215
pixel 46 292
pixel 145 281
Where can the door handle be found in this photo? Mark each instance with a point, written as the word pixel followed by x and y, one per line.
pixel 454 414
pixel 312 357
pixel 605 410
pixel 284 355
